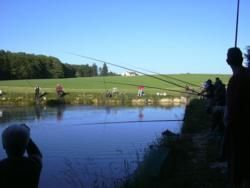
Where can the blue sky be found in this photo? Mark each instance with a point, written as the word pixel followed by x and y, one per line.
pixel 165 36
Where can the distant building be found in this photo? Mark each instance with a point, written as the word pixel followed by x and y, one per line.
pixel 129 74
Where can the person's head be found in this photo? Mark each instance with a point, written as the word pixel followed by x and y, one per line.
pixel 218 80
pixel 15 139
pixel 209 81
pixel 234 57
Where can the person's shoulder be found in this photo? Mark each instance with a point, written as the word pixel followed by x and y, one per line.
pixel 34 160
pixel 234 80
pixel 237 77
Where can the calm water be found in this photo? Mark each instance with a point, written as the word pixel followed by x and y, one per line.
pixel 80 152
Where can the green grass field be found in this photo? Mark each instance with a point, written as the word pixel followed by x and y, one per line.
pixel 101 84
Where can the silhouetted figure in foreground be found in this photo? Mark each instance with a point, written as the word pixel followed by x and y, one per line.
pixel 219 105
pixel 219 93
pixel 18 170
pixel 237 135
pixel 208 93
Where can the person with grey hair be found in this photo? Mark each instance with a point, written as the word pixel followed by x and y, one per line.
pixel 237 133
pixel 18 170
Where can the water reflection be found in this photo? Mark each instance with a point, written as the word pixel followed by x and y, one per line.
pixel 59 113
pixel 102 114
pixel 38 111
pixel 111 110
pixel 141 114
pixel 94 152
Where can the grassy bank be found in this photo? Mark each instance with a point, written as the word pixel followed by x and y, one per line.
pixel 92 90
pixel 101 84
pixel 187 160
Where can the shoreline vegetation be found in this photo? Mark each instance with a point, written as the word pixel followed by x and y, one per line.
pixel 185 160
pixel 24 99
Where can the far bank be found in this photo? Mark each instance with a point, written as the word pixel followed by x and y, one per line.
pixel 23 99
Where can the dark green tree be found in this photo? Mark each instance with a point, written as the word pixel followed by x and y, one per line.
pixel 69 71
pixel 104 70
pixel 94 70
pixel 4 66
pixel 29 66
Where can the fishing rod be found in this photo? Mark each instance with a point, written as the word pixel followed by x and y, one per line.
pixel 152 87
pixel 170 77
pixel 135 121
pixel 237 23
pixel 152 76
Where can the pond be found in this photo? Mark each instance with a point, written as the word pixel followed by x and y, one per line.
pixel 81 150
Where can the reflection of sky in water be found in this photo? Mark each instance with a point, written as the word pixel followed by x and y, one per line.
pixel 72 148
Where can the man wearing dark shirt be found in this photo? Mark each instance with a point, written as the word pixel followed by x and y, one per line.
pixel 18 170
pixel 237 135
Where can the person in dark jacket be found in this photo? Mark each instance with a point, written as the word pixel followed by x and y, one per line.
pixel 208 93
pixel 219 105
pixel 237 135
pixel 18 170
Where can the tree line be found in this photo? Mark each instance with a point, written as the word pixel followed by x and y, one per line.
pixel 14 66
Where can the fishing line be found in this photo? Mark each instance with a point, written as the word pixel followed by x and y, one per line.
pixel 98 60
pixel 125 122
pixel 167 76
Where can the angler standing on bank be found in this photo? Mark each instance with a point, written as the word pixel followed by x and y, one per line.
pixel 237 135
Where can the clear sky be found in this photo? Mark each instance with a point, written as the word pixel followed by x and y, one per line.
pixel 165 36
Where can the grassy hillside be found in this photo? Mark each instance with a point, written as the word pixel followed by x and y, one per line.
pixel 100 84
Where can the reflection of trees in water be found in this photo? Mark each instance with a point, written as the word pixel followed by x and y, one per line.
pixel 14 114
pixel 19 114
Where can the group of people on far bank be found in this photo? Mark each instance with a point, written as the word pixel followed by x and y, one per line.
pixel 39 94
